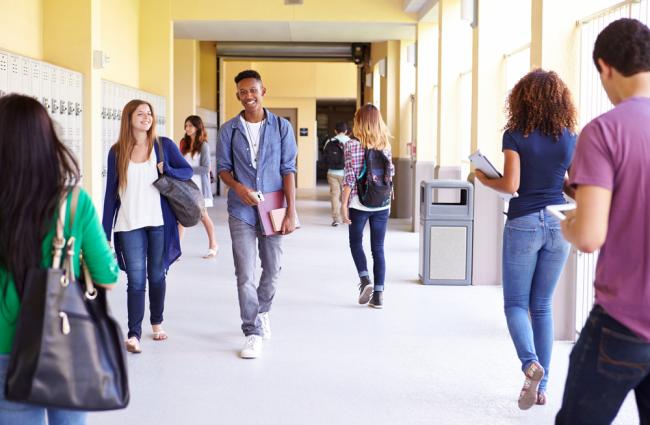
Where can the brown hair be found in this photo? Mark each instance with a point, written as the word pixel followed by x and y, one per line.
pixel 200 136
pixel 36 170
pixel 541 101
pixel 125 143
pixel 370 129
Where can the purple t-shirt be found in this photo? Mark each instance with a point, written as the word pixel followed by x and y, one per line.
pixel 613 152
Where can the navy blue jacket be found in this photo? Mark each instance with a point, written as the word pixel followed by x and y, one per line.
pixel 175 166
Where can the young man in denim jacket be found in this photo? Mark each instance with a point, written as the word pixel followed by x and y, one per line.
pixel 256 154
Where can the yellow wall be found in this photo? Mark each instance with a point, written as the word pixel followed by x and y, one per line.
pixel 454 58
pixel 554 25
pixel 185 83
pixel 491 46
pixel 21 27
pixel 157 53
pixel 207 91
pixel 295 85
pixel 426 94
pixel 120 22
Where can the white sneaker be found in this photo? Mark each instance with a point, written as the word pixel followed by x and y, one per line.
pixel 252 347
pixel 266 325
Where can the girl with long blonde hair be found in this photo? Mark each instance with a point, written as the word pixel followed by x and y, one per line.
pixel 368 162
pixel 145 227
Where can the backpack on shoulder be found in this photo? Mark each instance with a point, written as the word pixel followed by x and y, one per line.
pixel 375 183
pixel 333 153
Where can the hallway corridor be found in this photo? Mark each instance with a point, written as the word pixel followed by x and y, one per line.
pixel 433 355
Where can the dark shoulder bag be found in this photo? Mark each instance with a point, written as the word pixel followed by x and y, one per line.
pixel 184 196
pixel 68 350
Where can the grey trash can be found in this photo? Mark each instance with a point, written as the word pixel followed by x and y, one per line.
pixel 446 229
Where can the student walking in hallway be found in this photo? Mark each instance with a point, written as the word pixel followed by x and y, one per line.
pixel 367 193
pixel 256 154
pixel 145 227
pixel 195 150
pixel 610 172
pixel 334 156
pixel 37 175
pixel 538 145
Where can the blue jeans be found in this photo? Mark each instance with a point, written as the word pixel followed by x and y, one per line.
pixel 143 253
pixel 534 254
pixel 26 414
pixel 607 362
pixel 378 224
pixel 254 300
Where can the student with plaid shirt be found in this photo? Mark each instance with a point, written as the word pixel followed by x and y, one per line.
pixel 370 132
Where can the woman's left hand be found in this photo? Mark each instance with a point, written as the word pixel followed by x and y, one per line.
pixel 480 176
pixel 160 167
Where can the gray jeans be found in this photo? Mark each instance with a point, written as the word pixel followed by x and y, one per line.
pixel 254 300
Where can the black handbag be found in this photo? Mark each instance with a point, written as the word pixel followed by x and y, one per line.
pixel 184 196
pixel 68 351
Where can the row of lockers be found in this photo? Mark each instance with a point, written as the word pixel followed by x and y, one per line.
pixel 114 98
pixel 58 89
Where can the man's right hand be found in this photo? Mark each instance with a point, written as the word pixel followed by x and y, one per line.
pixel 244 194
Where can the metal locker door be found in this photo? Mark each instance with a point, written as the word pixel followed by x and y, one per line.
pixel 35 75
pixel 4 73
pixel 26 86
pixel 46 86
pixel 76 106
pixel 14 74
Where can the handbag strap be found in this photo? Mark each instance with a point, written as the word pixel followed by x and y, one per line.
pixel 160 150
pixel 59 241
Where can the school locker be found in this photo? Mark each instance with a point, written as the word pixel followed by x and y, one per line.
pixel 4 73
pixel 14 74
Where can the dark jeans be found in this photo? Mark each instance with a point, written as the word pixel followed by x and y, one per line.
pixel 143 251
pixel 378 224
pixel 607 362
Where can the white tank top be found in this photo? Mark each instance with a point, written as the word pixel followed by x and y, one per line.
pixel 140 201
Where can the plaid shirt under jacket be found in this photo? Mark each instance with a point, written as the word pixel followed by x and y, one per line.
pixel 353 153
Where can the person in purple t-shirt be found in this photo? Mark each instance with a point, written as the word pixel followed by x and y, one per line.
pixel 611 171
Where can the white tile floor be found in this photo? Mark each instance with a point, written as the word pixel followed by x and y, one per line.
pixel 433 355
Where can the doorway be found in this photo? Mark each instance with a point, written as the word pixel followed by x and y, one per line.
pixel 328 113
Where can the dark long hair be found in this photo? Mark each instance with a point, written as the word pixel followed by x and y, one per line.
pixel 199 137
pixel 36 168
pixel 541 101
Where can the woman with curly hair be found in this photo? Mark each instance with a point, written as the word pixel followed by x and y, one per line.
pixel 538 145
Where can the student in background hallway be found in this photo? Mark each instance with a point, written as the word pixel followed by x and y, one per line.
pixel 370 135
pixel 611 171
pixel 256 153
pixel 333 151
pixel 538 144
pixel 145 227
pixel 195 150
pixel 37 170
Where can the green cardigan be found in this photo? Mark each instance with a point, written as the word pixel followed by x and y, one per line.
pixel 98 256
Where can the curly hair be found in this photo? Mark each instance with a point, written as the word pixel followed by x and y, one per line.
pixel 541 101
pixel 625 45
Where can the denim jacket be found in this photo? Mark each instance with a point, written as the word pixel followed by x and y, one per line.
pixel 276 158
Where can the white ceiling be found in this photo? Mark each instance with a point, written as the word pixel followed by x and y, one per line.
pixel 348 32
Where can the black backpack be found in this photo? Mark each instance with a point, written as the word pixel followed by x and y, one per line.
pixel 375 183
pixel 333 154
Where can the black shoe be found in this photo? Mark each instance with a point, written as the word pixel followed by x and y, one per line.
pixel 365 290
pixel 377 300
pixel 335 223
